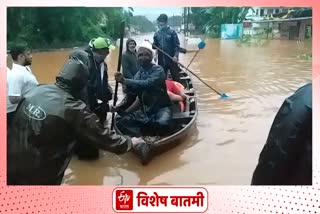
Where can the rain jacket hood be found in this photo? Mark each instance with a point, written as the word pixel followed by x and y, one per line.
pixel 128 41
pixel 74 75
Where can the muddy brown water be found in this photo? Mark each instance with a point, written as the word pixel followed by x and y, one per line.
pixel 224 146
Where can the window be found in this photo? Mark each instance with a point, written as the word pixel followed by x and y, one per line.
pixel 270 11
pixel 277 11
pixel 261 12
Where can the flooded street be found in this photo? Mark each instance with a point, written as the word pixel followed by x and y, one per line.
pixel 224 147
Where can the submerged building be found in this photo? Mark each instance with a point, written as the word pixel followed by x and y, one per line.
pixel 279 23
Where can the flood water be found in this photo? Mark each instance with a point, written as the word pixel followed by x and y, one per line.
pixel 225 144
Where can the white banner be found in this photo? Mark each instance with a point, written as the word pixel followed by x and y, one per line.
pixel 160 199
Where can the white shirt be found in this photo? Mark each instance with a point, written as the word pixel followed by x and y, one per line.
pixel 19 80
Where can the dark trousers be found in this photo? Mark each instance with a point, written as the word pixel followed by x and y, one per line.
pixel 174 71
pixel 139 124
pixel 87 151
pixel 10 118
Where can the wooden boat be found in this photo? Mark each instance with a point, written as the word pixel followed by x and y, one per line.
pixel 183 124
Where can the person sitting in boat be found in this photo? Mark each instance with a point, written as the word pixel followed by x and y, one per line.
pixel 286 158
pixel 149 86
pixel 176 93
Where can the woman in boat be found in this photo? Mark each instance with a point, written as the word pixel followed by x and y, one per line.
pixel 286 158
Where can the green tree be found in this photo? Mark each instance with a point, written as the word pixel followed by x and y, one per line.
pixel 210 19
pixel 53 27
pixel 175 21
pixel 142 24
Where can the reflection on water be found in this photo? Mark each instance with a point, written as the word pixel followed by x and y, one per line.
pixel 229 134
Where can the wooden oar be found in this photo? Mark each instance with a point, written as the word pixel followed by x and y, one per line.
pixel 222 95
pixel 115 97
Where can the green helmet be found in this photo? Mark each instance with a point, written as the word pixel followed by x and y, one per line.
pixel 101 43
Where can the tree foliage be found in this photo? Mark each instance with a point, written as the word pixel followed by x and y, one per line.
pixel 209 19
pixel 46 27
pixel 175 21
pixel 142 24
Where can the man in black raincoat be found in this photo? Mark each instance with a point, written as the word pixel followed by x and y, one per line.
pixel 47 123
pixel 149 86
pixel 286 158
pixel 98 92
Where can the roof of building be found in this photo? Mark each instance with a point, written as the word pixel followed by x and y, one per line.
pixel 291 15
pixel 277 20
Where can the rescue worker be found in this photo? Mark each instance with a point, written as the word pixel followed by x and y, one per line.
pixel 286 158
pixel 98 92
pixel 47 124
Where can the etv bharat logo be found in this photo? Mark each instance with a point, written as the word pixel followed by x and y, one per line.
pixel 124 199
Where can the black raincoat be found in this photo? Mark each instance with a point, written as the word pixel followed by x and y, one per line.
pixel 47 124
pixel 286 158
pixel 97 88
